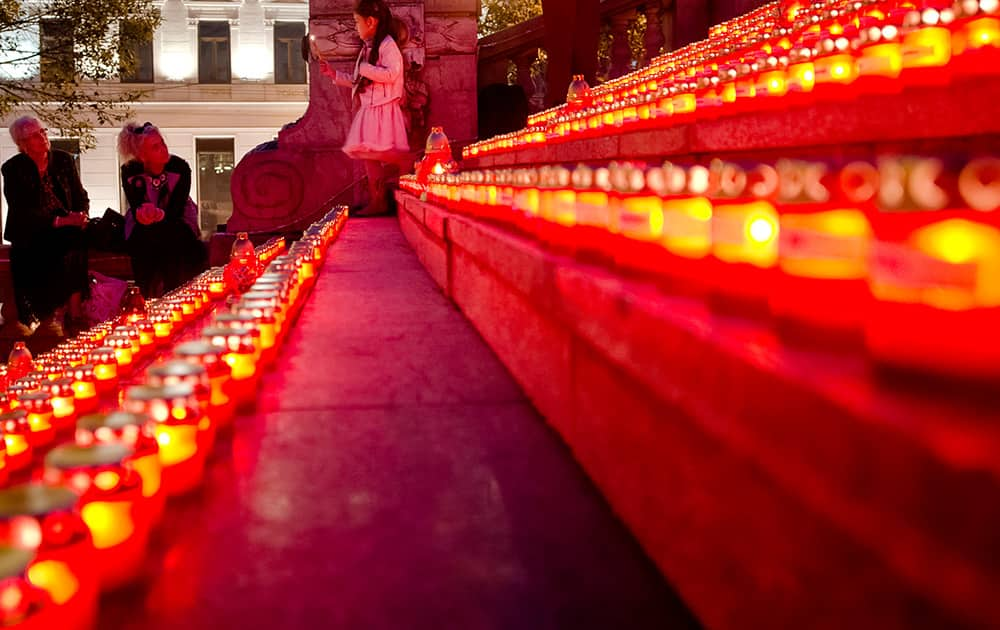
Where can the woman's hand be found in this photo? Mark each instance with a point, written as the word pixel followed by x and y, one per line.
pixel 148 213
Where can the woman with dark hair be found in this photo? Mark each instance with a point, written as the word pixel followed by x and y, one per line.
pixel 378 131
pixel 161 224
pixel 46 210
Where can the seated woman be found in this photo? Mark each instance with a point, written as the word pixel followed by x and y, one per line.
pixel 46 210
pixel 161 224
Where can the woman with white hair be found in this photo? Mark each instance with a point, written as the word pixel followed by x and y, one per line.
pixel 161 224
pixel 46 210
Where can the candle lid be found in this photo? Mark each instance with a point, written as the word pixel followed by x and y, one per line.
pixel 13 414
pixel 115 420
pixel 35 499
pixel 14 561
pixel 73 456
pixel 221 331
pixel 147 392
pixel 176 367
pixel 196 349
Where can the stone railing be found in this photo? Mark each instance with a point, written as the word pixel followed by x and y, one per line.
pixel 520 44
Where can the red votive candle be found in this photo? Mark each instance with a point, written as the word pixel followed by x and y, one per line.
pixel 181 430
pixel 16 437
pixel 204 354
pixel 38 406
pixel 44 520
pixel 136 432
pixel 111 504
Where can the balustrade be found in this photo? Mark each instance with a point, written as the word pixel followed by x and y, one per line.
pixel 520 44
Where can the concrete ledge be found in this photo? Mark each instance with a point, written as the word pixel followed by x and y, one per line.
pixel 774 486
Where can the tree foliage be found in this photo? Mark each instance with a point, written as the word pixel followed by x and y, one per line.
pixel 62 59
pixel 497 15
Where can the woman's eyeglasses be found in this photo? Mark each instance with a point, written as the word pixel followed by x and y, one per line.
pixel 143 129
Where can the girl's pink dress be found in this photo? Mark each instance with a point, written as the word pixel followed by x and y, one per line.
pixel 378 128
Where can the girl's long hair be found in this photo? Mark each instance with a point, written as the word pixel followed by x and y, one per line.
pixel 379 10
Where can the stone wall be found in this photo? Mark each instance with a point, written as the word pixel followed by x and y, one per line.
pixel 282 185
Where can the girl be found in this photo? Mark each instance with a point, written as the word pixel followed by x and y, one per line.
pixel 378 131
pixel 161 229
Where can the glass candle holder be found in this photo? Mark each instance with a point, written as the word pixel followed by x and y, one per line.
pixel 239 353
pixel 136 432
pixel 16 437
pixel 111 504
pixel 216 282
pixel 19 388
pixel 163 326
pixel 73 354
pixel 266 320
pixel 20 361
pixel 133 305
pixel 926 43
pixel 44 520
pixel 879 56
pixel 22 604
pixel 4 473
pixel 186 303
pixel 132 333
pixel 124 352
pixel 53 368
pixel 975 37
pixel 208 356
pixel 63 402
pixel 84 388
pixel 38 406
pixel 744 238
pixel 147 333
pixel 181 431
pixel 936 267
pixel 105 369
pixel 248 323
pixel 181 372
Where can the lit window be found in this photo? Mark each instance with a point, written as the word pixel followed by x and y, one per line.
pixel 213 52
pixel 289 66
pixel 56 44
pixel 138 45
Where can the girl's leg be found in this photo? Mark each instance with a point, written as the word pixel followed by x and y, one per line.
pixel 376 189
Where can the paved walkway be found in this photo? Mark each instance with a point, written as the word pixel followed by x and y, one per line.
pixel 393 477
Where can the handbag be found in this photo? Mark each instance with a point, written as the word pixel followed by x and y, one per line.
pixel 105 299
pixel 107 232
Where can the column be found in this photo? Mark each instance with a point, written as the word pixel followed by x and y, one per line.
pixel 621 54
pixel 523 62
pixel 653 37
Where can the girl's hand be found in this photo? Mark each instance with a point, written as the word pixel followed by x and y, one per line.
pixel 324 67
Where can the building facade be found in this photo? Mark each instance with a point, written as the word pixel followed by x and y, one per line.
pixel 220 77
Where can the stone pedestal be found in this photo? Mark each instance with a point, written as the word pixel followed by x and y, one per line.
pixel 285 184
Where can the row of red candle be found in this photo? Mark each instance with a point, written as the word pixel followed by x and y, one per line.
pixel 892 247
pixel 84 527
pixel 47 394
pixel 840 53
